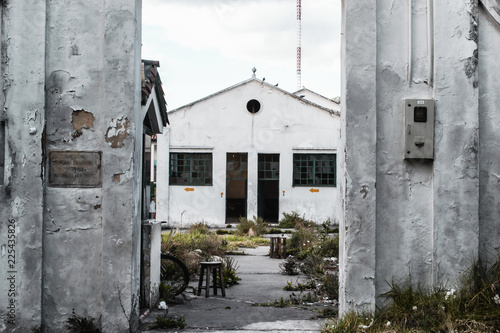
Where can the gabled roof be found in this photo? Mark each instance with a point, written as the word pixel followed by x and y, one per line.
pixel 151 82
pixel 253 79
pixel 304 89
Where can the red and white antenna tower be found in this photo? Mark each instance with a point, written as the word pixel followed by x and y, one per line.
pixel 299 49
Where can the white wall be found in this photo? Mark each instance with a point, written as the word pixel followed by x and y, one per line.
pixel 221 124
pixel 71 84
pixel 424 218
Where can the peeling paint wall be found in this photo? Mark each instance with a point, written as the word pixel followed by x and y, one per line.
pixel 72 86
pixel 21 194
pixel 427 219
pixel 489 138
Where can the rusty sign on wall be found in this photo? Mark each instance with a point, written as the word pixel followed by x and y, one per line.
pixel 74 169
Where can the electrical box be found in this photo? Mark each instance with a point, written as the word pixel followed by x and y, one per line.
pixel 419 128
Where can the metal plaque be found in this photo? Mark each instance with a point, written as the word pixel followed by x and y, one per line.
pixel 74 169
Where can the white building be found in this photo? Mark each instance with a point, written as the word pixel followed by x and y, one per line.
pixel 252 149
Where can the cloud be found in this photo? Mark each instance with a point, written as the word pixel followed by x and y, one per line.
pixel 228 37
pixel 241 29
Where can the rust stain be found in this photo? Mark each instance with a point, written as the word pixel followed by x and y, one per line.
pixel 117 132
pixel 81 119
pixel 116 177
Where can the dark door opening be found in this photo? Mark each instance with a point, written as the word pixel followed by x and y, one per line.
pixel 268 187
pixel 236 186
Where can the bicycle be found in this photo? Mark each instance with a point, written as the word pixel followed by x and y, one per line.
pixel 174 275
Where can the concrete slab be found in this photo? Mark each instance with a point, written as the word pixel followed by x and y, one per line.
pixel 261 282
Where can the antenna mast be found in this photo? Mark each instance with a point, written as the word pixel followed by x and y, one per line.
pixel 299 49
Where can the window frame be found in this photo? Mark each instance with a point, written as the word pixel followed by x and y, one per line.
pixel 190 161
pixel 309 178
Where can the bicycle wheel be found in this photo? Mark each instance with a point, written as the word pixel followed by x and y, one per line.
pixel 174 275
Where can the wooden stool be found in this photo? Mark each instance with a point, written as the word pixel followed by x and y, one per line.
pixel 211 270
pixel 278 248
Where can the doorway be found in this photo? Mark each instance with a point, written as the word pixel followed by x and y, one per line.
pixel 236 186
pixel 268 187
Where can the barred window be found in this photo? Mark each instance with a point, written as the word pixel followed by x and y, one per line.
pixel 190 169
pixel 314 170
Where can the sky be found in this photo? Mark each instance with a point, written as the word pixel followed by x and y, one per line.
pixel 205 46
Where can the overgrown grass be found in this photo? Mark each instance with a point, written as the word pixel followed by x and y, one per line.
pixel 308 285
pixel 291 220
pixel 473 307
pixel 295 299
pixel 80 324
pixel 255 227
pixel 199 243
pixel 276 231
pixel 229 270
pixel 238 241
pixel 169 322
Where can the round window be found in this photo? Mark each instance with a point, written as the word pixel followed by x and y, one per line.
pixel 253 106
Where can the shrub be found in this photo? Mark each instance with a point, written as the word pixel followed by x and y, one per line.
pixel 308 285
pixel 229 269
pixel 196 245
pixel 169 322
pixel 313 265
pixel 302 240
pixel 166 293
pixel 199 227
pixel 474 307
pixel 292 220
pixel 235 242
pixel 224 232
pixel 329 246
pixel 290 266
pixel 329 286
pixel 78 324
pixel 255 227
pixel 276 231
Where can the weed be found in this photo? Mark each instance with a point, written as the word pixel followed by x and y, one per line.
pixel 224 232
pixel 229 268
pixel 291 220
pixel 327 313
pixel 275 231
pixel 79 324
pixel 198 244
pixel 36 329
pixel 301 298
pixel 169 322
pixel 329 286
pixel 281 303
pixel 290 266
pixel 199 227
pixel 255 227
pixel 329 228
pixel 166 293
pixel 237 241
pixel 313 264
pixel 349 323
pixel 472 308
pixel 309 285
pixel 294 300
pixel 302 240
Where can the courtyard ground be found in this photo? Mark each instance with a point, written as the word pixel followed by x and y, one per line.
pixel 261 282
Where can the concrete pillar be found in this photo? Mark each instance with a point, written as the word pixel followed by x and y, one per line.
pixel 410 218
pixel 455 169
pixel 489 123
pixel 359 137
pixel 21 193
pixel 71 186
